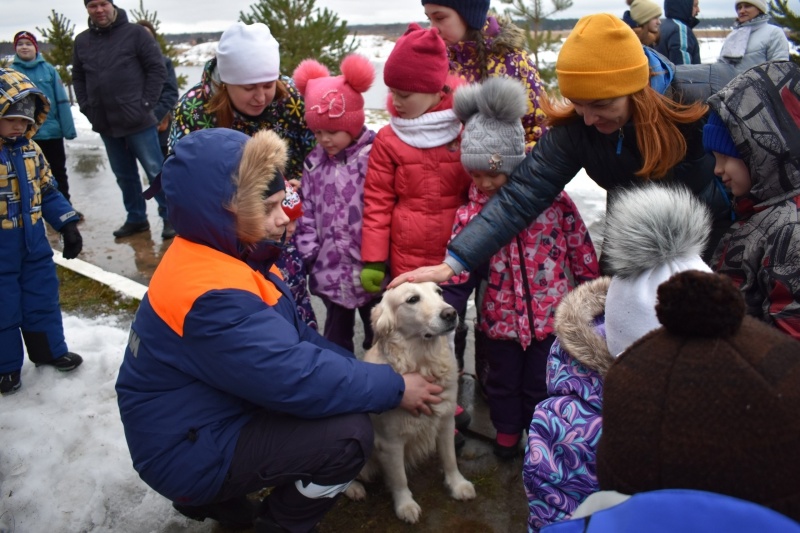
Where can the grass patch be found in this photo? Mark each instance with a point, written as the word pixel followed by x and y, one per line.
pixel 90 298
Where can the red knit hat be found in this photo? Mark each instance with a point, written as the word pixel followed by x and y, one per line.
pixel 26 35
pixel 418 63
pixel 334 103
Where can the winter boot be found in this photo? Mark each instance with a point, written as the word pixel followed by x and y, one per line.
pixel 67 362
pixel 10 383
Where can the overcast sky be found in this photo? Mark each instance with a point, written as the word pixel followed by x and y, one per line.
pixel 180 16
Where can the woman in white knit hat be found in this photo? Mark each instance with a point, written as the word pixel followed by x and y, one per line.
pixel 753 40
pixel 242 89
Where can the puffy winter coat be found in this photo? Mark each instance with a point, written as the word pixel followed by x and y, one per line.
pixel 216 339
pixel 762 251
pixel 329 232
pixel 506 56
pixel 59 123
pixel 555 160
pixel 412 192
pixel 529 276
pixel 560 469
pixel 28 191
pixel 678 42
pixel 754 42
pixel 285 117
pixel 118 73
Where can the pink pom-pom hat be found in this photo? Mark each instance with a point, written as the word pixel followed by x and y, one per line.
pixel 335 103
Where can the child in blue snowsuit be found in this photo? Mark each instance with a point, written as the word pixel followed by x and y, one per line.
pixel 28 193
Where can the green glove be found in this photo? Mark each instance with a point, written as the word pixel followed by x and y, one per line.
pixel 372 276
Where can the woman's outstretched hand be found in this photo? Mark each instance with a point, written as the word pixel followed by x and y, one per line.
pixel 437 274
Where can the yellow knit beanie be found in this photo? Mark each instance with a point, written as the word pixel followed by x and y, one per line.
pixel 601 58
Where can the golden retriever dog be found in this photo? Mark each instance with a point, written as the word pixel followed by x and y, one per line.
pixel 411 325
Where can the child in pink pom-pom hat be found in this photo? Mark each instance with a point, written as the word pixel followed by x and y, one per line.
pixel 329 231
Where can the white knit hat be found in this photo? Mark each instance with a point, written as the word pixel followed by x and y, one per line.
pixel 248 54
pixel 761 5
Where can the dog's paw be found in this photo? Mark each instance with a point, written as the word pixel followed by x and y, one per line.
pixel 356 491
pixel 408 511
pixel 462 490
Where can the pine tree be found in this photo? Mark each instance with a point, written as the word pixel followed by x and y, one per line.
pixel 539 40
pixel 303 31
pixel 166 47
pixel 785 17
pixel 61 37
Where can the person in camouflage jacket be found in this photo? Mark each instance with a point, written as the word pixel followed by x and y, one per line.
pixel 761 252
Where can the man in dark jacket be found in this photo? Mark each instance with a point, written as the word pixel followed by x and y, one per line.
pixel 678 42
pixel 118 73
pixel 169 96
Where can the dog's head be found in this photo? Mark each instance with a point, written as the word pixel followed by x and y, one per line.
pixel 414 310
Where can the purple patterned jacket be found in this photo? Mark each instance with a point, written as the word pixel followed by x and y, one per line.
pixel 505 56
pixel 560 471
pixel 329 232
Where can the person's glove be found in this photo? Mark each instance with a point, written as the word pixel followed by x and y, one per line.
pixel 372 276
pixel 73 242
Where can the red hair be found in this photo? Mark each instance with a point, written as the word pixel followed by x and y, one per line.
pixel 655 119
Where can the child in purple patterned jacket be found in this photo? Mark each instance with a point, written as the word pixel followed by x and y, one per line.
pixel 527 278
pixel 329 232
pixel 652 232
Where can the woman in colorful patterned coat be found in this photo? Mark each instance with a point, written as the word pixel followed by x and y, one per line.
pixel 483 47
pixel 242 89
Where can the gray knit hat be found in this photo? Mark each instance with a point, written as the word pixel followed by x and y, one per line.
pixel 493 139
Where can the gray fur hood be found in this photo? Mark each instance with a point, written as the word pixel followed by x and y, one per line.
pixel 575 325
pixel 752 106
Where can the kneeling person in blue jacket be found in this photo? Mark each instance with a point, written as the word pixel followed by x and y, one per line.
pixel 29 196
pixel 223 389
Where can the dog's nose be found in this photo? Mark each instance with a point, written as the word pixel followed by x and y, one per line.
pixel 448 314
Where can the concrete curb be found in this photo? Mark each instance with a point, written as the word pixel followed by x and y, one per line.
pixel 120 284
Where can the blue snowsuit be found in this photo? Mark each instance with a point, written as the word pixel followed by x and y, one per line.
pixel 28 284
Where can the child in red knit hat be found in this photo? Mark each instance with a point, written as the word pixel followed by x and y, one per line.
pixel 415 181
pixel 329 233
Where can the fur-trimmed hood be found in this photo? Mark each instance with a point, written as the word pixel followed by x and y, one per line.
pixel 754 107
pixel 15 86
pixel 576 325
pixel 205 191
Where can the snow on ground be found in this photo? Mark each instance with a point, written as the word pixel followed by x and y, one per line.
pixel 64 463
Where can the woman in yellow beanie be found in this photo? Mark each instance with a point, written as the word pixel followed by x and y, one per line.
pixel 613 125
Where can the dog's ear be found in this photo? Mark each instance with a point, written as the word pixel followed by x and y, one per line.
pixel 382 319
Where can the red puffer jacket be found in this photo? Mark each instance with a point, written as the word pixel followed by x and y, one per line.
pixel 411 193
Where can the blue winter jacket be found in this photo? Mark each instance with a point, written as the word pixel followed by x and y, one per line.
pixel 28 191
pixel 216 339
pixel 677 41
pixel 59 123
